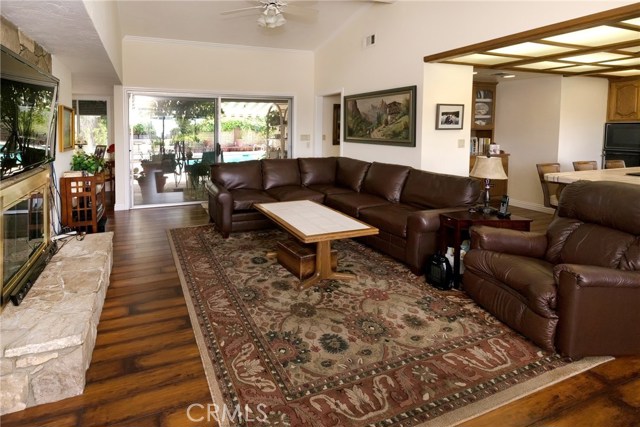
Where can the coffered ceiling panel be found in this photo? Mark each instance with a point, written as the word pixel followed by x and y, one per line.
pixel 604 45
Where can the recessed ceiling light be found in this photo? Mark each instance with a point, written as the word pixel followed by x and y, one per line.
pixel 581 68
pixel 508 76
pixel 634 21
pixel 543 65
pixel 531 49
pixel 596 36
pixel 479 58
pixel 624 73
pixel 590 58
pixel 624 62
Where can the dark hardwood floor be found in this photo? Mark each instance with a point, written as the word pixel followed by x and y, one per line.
pixel 146 369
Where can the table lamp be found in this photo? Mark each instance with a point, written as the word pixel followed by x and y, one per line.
pixel 488 168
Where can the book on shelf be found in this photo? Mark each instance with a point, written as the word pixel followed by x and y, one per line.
pixel 480 145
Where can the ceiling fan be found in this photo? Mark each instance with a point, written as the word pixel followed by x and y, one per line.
pixel 272 15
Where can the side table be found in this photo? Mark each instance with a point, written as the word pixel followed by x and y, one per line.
pixel 454 224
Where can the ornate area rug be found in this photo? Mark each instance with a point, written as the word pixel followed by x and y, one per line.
pixel 383 350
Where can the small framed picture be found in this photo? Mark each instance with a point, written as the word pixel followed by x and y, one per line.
pixel 449 116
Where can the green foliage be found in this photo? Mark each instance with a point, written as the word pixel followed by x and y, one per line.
pixel 138 129
pixel 82 161
pixel 255 125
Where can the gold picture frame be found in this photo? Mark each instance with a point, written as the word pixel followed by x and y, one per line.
pixel 66 127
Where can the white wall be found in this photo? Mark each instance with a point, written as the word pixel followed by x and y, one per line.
pixel 406 31
pixel 104 15
pixel 583 112
pixel 527 127
pixel 445 150
pixel 548 119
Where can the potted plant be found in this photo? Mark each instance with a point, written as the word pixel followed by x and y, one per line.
pixel 82 161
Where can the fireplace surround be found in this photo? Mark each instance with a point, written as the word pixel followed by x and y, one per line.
pixel 26 233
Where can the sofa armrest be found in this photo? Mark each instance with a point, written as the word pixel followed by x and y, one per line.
pixel 220 207
pixel 427 220
pixel 585 276
pixel 523 243
pixel 597 310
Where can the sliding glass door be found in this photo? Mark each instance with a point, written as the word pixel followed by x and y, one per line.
pixel 175 139
pixel 254 129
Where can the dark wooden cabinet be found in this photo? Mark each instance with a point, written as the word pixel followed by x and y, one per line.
pixel 624 100
pixel 82 200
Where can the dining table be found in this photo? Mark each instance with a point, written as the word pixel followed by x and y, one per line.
pixel 629 175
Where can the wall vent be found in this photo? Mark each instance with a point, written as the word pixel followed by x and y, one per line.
pixel 370 40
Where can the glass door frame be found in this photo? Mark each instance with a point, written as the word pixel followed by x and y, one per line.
pixel 219 99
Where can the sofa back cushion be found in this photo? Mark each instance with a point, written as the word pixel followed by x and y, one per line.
pixel 280 172
pixel 597 224
pixel 247 175
pixel 429 190
pixel 350 172
pixel 317 170
pixel 385 180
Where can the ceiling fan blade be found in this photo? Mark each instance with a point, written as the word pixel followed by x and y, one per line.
pixel 228 12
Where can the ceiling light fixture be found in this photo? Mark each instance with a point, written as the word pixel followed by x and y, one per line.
pixel 272 15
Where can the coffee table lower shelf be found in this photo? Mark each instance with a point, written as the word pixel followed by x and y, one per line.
pixel 309 265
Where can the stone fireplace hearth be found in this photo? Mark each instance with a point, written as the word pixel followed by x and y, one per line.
pixel 46 343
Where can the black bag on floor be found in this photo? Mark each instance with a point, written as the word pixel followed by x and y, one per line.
pixel 438 272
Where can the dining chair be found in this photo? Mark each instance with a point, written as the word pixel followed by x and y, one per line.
pixel 614 164
pixel 549 189
pixel 586 165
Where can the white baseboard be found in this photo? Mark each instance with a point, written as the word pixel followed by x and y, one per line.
pixel 531 206
pixel 119 207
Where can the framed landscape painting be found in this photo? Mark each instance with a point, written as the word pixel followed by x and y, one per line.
pixel 65 128
pixel 385 117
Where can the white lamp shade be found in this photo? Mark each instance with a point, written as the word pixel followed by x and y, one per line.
pixel 488 168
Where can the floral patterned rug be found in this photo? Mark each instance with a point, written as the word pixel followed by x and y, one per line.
pixel 384 350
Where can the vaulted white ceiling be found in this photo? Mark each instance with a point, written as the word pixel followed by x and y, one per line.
pixel 65 29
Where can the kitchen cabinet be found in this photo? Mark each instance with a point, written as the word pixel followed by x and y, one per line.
pixel 624 100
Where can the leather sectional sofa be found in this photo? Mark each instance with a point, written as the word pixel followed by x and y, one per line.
pixel 402 202
pixel 575 288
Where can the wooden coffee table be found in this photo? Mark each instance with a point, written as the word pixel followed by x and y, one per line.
pixel 311 222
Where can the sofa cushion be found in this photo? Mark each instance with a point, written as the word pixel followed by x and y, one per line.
pixel 391 217
pixel 280 172
pixel 434 190
pixel 385 180
pixel 531 278
pixel 246 175
pixel 244 198
pixel 352 203
pixel 317 170
pixel 295 192
pixel 330 189
pixel 350 172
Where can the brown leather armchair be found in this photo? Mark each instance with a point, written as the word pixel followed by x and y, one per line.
pixel 574 289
